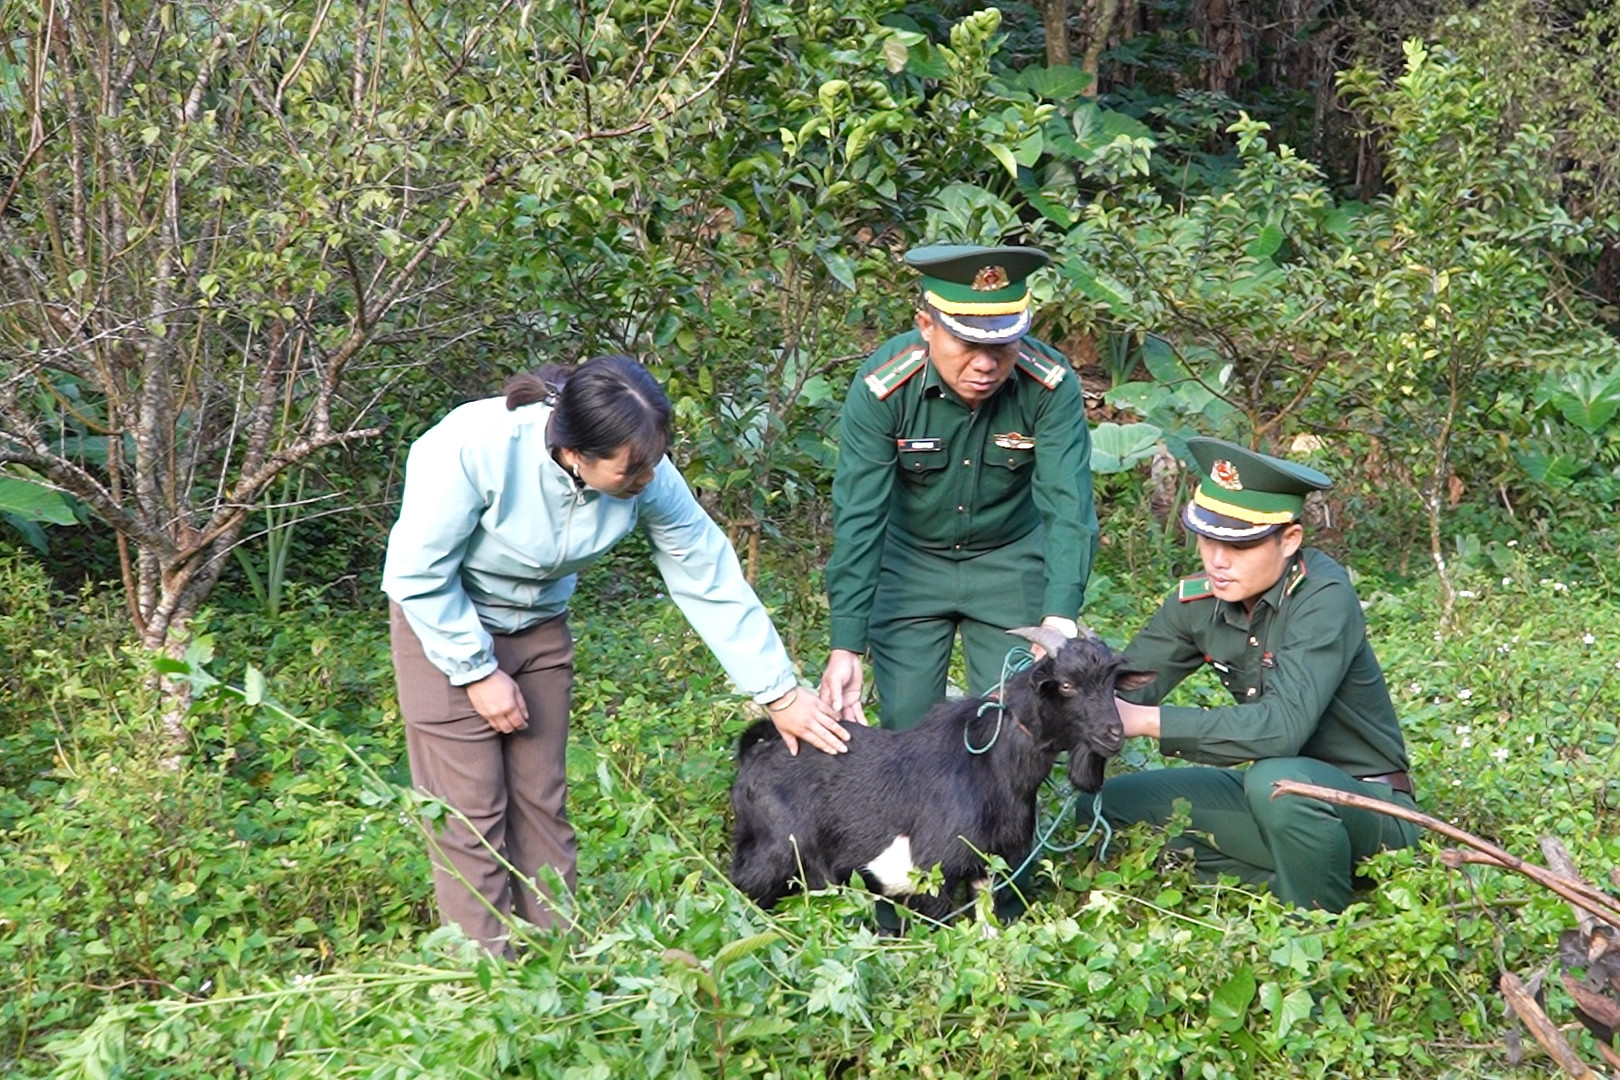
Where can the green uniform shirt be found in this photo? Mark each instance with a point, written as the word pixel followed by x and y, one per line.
pixel 918 467
pixel 1301 669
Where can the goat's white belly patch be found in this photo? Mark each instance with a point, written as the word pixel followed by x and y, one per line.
pixel 892 867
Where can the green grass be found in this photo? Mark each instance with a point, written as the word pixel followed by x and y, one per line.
pixel 265 910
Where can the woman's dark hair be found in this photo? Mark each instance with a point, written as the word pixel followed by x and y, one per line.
pixel 605 403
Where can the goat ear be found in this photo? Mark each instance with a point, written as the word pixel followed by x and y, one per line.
pixel 1134 680
pixel 1086 771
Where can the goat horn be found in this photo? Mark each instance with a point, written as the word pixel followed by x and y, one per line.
pixel 1086 631
pixel 1047 638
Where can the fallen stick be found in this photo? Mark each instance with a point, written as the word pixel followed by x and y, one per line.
pixel 1576 892
pixel 1545 1032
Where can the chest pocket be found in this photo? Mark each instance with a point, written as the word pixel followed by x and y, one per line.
pixel 922 466
pixel 1003 458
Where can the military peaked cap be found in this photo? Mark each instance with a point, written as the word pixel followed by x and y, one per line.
pixel 980 293
pixel 1244 495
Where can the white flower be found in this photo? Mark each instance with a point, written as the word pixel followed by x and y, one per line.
pixel 1512 543
pixel 1464 694
pixel 1588 639
pixel 1463 729
pixel 1415 688
pixel 1507 581
pixel 1559 586
pixel 1466 743
pixel 1466 594
pixel 1500 753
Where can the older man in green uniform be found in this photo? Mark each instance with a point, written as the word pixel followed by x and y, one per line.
pixel 1282 628
pixel 962 498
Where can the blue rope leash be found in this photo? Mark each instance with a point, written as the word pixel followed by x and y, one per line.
pixel 1017 659
pixel 1043 842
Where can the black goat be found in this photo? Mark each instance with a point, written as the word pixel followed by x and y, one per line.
pixel 920 798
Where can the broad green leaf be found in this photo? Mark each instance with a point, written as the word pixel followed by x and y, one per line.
pixel 1055 83
pixel 1095 284
pixel 840 266
pixel 733 951
pixel 253 686
pixel 1554 470
pixel 32 501
pixel 1266 242
pixel 1142 398
pixel 1229 1004
pixel 1117 447
pixel 1005 156
pixel 1295 1007
pixel 32 534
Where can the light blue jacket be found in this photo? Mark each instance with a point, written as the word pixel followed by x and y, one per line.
pixel 492 532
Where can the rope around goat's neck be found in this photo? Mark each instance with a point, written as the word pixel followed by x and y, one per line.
pixel 1017 659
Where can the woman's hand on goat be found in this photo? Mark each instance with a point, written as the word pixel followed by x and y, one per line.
pixel 499 702
pixel 806 717
pixel 841 686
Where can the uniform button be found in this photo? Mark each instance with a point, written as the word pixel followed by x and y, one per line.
pixel 961 509
pixel 967 461
pixel 958 547
pixel 1254 641
pixel 1252 691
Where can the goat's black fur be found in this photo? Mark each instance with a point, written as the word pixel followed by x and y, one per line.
pixel 814 819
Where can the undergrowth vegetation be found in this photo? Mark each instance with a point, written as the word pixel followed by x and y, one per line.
pixel 265 910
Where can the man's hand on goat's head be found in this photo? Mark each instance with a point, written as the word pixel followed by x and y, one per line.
pixel 1066 627
pixel 806 717
pixel 841 686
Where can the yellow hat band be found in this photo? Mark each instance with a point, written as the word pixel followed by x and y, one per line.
pixel 1242 513
pixel 963 307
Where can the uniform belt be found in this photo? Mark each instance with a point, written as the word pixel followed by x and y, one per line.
pixel 1398 780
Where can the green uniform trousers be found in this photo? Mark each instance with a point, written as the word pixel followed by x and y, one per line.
pixel 1304 850
pixel 924 599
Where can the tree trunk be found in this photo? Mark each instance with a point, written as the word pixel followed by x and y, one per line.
pixel 1055 21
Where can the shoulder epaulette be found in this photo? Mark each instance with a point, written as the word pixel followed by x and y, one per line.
pixel 890 375
pixel 1196 587
pixel 1044 371
pixel 1296 577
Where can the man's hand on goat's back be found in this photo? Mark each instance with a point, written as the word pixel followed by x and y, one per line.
pixel 841 686
pixel 806 718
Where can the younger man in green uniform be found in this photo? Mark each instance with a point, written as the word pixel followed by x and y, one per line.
pixel 1283 629
pixel 962 498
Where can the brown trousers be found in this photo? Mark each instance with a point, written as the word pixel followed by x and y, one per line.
pixel 512 788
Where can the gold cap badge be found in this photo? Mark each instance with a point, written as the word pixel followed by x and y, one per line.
pixel 1225 474
pixel 990 278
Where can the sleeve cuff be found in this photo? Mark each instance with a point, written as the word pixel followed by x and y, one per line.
pixel 1064 600
pixel 1175 737
pixel 781 686
pixel 470 671
pixel 849 634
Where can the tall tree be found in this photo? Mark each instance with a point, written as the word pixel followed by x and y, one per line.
pixel 224 227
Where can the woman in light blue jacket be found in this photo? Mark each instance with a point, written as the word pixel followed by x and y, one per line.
pixel 505 500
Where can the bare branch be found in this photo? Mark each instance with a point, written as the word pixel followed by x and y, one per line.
pixel 1575 891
